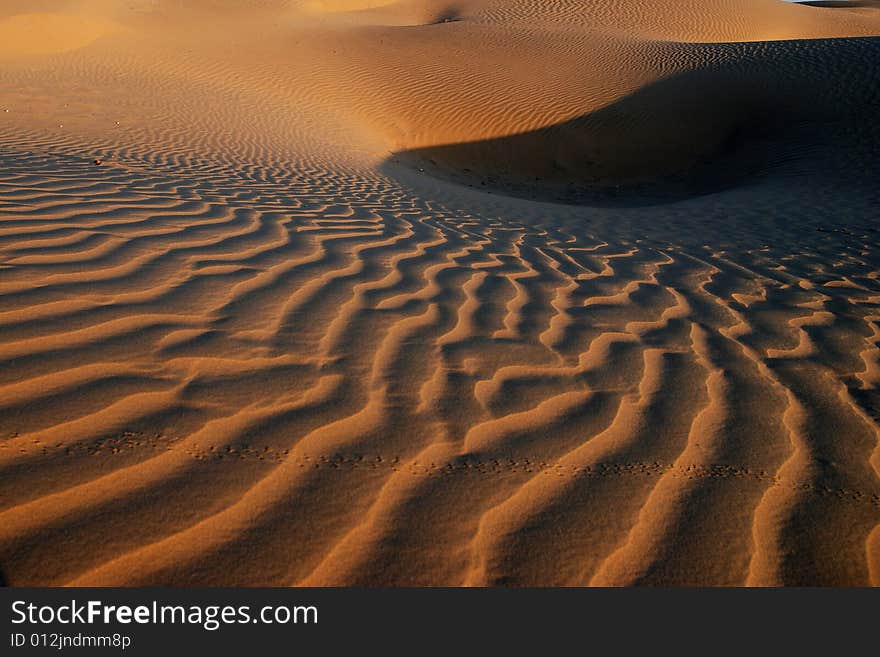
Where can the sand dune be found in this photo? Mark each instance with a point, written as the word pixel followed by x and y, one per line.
pixel 393 293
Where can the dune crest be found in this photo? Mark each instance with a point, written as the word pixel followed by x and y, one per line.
pixel 45 34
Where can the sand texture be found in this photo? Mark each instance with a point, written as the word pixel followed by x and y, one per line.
pixel 359 292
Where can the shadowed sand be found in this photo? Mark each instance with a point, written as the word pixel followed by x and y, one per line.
pixel 492 292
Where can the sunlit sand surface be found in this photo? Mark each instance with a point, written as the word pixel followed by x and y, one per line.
pixel 355 292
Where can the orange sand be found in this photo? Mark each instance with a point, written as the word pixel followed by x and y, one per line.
pixel 487 292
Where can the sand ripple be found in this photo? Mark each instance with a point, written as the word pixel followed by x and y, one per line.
pixel 250 349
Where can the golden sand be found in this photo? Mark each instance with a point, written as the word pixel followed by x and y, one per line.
pixel 576 292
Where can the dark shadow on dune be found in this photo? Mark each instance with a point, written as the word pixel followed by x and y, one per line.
pixel 448 15
pixel 745 111
pixel 3 581
pixel 840 4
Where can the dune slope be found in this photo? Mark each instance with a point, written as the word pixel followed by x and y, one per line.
pixel 490 292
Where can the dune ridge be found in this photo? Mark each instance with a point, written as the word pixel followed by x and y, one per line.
pixel 313 319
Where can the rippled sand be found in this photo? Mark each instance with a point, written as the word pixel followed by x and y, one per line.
pixel 490 292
